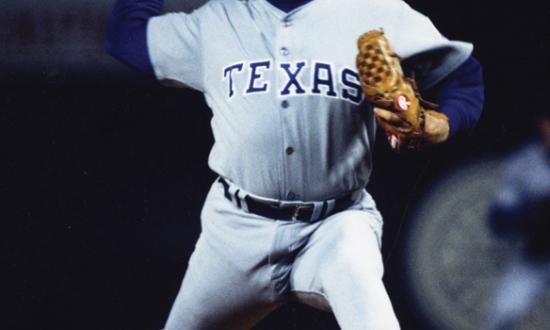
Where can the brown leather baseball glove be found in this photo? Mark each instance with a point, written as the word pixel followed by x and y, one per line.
pixel 386 87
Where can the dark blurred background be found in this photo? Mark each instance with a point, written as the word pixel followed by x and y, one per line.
pixel 104 171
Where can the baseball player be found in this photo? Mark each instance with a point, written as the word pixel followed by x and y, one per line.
pixel 521 210
pixel 281 80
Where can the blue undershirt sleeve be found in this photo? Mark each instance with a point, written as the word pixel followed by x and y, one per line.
pixel 126 37
pixel 461 95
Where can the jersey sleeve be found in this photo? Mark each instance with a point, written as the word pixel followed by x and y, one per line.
pixel 175 46
pixel 415 38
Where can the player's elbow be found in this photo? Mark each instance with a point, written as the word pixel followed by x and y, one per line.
pixel 117 48
pixel 128 43
pixel 474 104
pixel 126 29
pixel 117 37
pixel 126 36
pixel 473 92
pixel 477 97
pixel 462 96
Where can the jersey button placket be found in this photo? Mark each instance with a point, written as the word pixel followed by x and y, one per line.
pixel 291 196
pixel 284 51
pixel 284 55
pixel 286 22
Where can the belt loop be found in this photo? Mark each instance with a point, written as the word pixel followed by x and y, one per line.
pixel 225 188
pixel 330 206
pixel 242 201
pixel 237 198
pixel 323 210
pixel 244 204
pixel 234 193
pixel 317 211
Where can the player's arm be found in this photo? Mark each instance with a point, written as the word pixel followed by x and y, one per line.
pixel 445 71
pixel 460 96
pixel 126 37
pixel 168 45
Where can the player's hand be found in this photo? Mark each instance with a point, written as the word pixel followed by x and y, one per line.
pixel 436 129
pixel 390 118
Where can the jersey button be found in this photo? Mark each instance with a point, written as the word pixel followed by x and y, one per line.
pixel 285 104
pixel 286 23
pixel 284 51
pixel 291 196
pixel 289 151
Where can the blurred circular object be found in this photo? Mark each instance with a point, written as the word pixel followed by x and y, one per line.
pixel 452 259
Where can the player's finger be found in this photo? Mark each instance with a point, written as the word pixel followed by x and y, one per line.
pixel 388 117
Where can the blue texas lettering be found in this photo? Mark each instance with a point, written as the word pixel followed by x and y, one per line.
pixel 324 80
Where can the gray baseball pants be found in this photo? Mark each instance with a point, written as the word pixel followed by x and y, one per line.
pixel 244 266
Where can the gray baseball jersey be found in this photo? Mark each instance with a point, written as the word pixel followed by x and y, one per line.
pixel 283 87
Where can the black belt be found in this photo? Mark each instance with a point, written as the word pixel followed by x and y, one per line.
pixel 288 211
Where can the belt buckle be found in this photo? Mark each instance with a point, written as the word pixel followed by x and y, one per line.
pixel 297 210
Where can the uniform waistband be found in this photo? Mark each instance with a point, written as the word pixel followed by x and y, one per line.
pixel 286 210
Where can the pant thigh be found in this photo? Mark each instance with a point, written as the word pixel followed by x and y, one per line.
pixel 347 239
pixel 226 285
pixel 341 270
pixel 215 295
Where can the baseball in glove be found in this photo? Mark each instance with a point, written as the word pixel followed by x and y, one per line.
pixel 386 87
